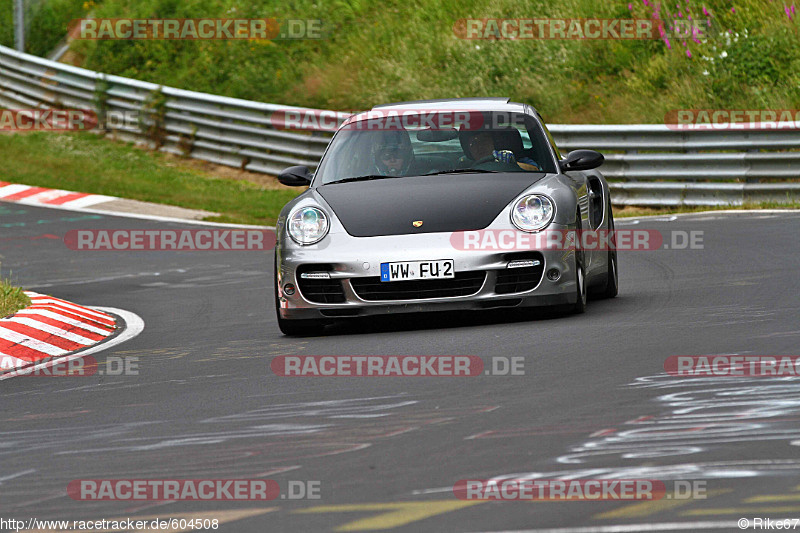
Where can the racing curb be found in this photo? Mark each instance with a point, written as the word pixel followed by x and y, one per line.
pixel 95 203
pixel 28 194
pixel 50 328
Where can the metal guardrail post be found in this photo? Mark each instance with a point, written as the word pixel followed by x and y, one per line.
pixel 19 25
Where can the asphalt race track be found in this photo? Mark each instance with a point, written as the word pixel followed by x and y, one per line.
pixel 594 400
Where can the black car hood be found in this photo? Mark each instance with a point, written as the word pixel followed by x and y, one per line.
pixel 444 203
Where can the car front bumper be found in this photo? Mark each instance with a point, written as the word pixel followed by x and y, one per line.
pixel 346 258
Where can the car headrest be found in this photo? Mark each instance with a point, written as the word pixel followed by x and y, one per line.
pixel 508 139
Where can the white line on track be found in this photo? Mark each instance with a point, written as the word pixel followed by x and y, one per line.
pixel 632 528
pixel 133 326
pixel 18 474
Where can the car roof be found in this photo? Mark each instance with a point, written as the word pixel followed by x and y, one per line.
pixel 471 104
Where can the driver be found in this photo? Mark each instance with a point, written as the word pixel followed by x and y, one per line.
pixel 481 146
pixel 393 154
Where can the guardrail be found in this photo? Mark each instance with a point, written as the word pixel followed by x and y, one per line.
pixel 227 131
pixel 240 133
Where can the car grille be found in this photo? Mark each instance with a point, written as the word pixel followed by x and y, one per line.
pixel 322 291
pixel 513 280
pixel 463 284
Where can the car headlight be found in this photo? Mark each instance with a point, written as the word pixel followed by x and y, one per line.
pixel 533 212
pixel 307 225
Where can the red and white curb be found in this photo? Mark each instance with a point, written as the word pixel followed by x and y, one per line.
pixel 30 195
pixel 48 329
pixel 93 203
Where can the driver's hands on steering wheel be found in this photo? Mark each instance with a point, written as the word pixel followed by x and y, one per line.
pixel 497 156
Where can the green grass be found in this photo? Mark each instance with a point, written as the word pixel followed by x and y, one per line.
pixel 88 163
pixel 390 50
pixel 7 23
pixel 12 299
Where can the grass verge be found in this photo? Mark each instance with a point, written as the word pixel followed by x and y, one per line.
pixel 86 162
pixel 12 299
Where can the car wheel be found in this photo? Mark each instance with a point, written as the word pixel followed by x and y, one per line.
pixel 580 275
pixel 293 328
pixel 580 282
pixel 612 283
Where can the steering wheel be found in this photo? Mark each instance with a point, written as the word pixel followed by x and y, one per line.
pixel 489 158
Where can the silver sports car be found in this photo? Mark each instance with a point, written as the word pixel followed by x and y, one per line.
pixel 441 205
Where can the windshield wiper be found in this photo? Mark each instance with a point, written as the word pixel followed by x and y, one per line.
pixel 463 171
pixel 382 177
pixel 362 178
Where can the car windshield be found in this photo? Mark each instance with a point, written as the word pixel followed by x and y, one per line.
pixel 397 144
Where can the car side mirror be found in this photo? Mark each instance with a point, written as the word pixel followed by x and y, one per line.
pixel 581 160
pixel 298 176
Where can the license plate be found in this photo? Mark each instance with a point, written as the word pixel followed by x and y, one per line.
pixel 409 270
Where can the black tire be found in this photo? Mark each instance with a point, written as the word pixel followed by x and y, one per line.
pixel 580 274
pixel 612 282
pixel 580 282
pixel 294 328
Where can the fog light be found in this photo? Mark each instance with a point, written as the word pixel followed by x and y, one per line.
pixel 315 275
pixel 553 274
pixel 524 263
pixel 288 289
